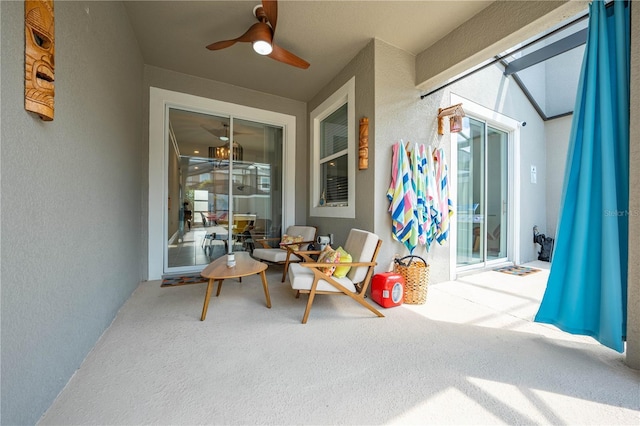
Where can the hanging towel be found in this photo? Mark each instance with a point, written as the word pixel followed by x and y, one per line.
pixel 444 204
pixel 418 174
pixel 431 212
pixel 402 198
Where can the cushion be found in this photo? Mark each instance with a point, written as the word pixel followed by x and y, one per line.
pixel 361 245
pixel 341 271
pixel 271 255
pixel 288 239
pixel 301 278
pixel 329 255
pixel 308 234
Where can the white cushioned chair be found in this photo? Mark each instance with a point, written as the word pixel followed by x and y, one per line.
pixel 284 254
pixel 309 277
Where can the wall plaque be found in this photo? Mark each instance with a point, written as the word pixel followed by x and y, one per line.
pixel 39 58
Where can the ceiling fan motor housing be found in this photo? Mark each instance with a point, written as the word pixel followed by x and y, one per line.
pixel 258 12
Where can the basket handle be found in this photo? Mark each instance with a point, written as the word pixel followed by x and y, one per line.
pixel 411 259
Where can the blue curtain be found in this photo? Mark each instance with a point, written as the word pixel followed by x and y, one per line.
pixel 587 288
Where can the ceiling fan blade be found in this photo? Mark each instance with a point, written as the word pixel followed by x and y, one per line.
pixel 258 31
pixel 221 44
pixel 283 55
pixel 214 131
pixel 271 10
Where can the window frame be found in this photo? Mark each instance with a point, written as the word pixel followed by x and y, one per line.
pixel 344 95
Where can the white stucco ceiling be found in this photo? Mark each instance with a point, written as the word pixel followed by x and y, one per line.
pixel 327 34
pixel 174 34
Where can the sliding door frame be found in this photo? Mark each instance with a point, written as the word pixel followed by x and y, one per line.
pixel 512 127
pixel 160 100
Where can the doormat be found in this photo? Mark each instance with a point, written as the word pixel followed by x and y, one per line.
pixel 183 280
pixel 520 271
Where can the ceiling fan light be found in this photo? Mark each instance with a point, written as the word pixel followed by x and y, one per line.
pixel 225 137
pixel 262 47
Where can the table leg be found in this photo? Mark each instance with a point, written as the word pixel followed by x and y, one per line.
pixel 207 296
pixel 219 288
pixel 265 286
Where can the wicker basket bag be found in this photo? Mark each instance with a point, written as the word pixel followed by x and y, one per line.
pixel 415 272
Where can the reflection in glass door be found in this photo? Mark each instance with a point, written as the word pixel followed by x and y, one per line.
pixel 482 193
pixel 224 186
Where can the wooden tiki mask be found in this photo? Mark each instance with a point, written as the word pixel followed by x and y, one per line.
pixel 39 58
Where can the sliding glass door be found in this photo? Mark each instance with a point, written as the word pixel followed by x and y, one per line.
pixel 483 188
pixel 224 180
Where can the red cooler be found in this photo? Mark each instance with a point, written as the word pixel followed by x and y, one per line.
pixel 387 289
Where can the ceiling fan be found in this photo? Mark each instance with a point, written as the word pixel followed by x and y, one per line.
pixel 223 133
pixel 261 36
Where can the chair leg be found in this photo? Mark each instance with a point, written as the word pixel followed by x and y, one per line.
pixel 310 301
pixel 286 265
pixel 361 301
pixel 285 270
pixel 358 297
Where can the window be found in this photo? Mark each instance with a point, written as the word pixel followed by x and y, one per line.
pixel 333 155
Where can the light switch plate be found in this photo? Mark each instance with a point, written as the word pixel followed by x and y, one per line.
pixel 534 172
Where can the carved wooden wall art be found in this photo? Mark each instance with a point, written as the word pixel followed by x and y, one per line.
pixel 39 58
pixel 363 151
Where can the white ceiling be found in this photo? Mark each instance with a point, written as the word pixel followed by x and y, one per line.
pixel 327 34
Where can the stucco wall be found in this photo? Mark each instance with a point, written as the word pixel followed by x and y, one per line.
pixel 633 304
pixel 402 116
pixel 557 134
pixel 71 200
pixel 362 67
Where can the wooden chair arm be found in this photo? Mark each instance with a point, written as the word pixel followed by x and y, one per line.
pixel 264 242
pixel 296 243
pixel 304 255
pixel 314 264
pixel 307 252
pixel 299 243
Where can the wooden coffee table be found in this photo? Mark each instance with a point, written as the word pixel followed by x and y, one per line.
pixel 218 271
